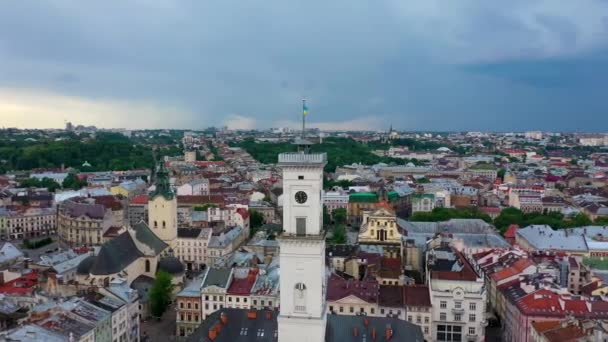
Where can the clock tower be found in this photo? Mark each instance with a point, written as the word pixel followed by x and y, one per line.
pixel 303 314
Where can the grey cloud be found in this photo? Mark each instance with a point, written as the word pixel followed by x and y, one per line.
pixel 228 59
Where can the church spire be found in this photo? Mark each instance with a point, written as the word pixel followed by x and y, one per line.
pixel 163 187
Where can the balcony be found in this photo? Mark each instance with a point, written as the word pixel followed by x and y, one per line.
pixel 471 337
pixel 296 158
pixel 458 311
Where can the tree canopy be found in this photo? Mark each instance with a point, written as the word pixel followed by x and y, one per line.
pixel 48 183
pixel 160 293
pixel 339 215
pixel 444 214
pixel 340 151
pixel 509 216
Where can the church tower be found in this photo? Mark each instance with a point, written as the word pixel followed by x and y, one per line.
pixel 162 208
pixel 303 314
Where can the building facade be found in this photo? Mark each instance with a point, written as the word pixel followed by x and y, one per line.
pixel 303 312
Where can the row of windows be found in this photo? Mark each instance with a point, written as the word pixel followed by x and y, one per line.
pixel 189 316
pixel 457 305
pixel 457 317
pixel 372 311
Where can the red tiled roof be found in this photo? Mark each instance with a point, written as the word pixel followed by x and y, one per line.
pixel 543 326
pixel 243 212
pixel 243 286
pixel 140 199
pixel 109 202
pixel 23 285
pixel 416 295
pixel 390 296
pixel 587 289
pixel 563 334
pixel 490 210
pixel 510 233
pixel 390 267
pixel 201 200
pixel 338 288
pixel 517 267
pixel 540 303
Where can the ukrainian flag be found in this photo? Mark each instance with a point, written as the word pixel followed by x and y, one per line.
pixel 304 109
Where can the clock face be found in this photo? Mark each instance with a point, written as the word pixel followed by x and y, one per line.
pixel 301 197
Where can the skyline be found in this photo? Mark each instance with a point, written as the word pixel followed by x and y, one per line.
pixel 466 66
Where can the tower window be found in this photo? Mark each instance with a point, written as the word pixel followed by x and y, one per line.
pixel 301 226
pixel 164 224
pixel 155 224
pixel 300 177
pixel 300 297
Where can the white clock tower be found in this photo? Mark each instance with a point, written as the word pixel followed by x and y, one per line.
pixel 302 248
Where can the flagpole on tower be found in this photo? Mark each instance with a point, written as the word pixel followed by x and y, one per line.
pixel 304 110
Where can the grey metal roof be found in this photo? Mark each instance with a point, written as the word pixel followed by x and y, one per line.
pixel 142 285
pixel 171 265
pixel 543 237
pixel 340 328
pixel 193 289
pixel 115 255
pixel 144 235
pixel 219 277
pixel 239 327
pixel 33 333
pixel 85 265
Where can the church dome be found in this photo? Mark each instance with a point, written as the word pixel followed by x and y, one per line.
pixel 171 265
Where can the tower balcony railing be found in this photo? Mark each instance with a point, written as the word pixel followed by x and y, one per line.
pixel 302 158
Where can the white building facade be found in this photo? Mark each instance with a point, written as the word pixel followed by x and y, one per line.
pixel 303 311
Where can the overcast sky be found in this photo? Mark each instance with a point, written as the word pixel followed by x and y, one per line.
pixel 418 65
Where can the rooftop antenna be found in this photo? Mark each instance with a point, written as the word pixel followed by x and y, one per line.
pixel 304 112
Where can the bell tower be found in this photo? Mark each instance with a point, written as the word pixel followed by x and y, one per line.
pixel 303 314
pixel 162 208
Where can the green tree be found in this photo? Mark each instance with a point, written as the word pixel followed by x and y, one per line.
pixel 444 214
pixel 48 183
pixel 507 217
pixel 73 182
pixel 501 173
pixel 339 234
pixel 339 216
pixel 160 293
pixel 326 216
pixel 579 220
pixel 256 220
pixel 204 207
pixel 601 221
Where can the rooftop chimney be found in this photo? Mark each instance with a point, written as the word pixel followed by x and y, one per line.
pixel 388 332
pixel 212 334
pixel 374 334
pixel 355 332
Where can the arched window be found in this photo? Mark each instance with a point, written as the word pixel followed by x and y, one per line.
pixel 164 224
pixel 147 265
pixel 300 297
pixel 155 224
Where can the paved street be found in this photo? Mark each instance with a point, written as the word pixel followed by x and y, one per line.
pixel 154 330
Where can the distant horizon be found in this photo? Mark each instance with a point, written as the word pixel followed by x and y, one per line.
pixel 300 129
